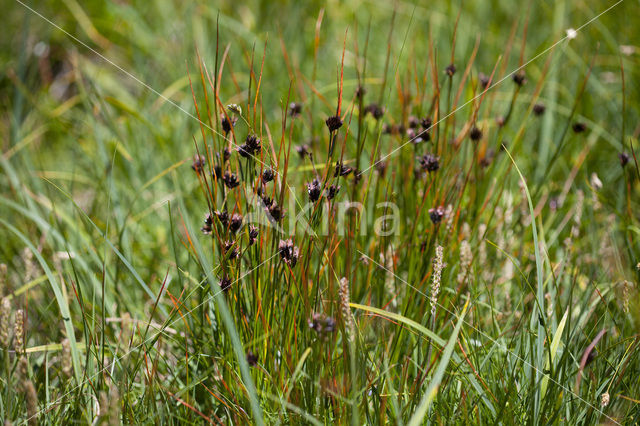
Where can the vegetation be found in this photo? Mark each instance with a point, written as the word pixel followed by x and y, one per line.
pixel 309 213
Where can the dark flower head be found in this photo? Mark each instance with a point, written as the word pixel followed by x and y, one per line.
pixel 360 92
pixel 198 163
pixel 450 70
pixel 295 108
pixel 226 154
pixel 231 249
pixel 236 222
pixel 334 123
pixel 624 158
pixel 429 162
pixel 216 173
pixel 208 222
pixel 332 192
pixel 416 137
pixel 222 216
pixel 426 123
pixel 288 252
pixel 322 324
pixel 252 359
pixel 253 234
pixel 243 151
pixel 519 78
pixel 375 110
pixel 314 190
pixel 436 214
pixel 539 109
pixel 484 80
pixel 225 284
pixel 227 124
pixel 342 170
pixel 413 122
pixel 381 167
pixel 579 127
pixel 267 175
pixel 253 143
pixel 302 150
pixel 475 134
pixel 230 179
pixel 275 211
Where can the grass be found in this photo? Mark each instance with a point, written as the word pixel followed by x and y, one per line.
pixel 380 237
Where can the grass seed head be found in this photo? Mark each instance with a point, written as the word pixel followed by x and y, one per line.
pixel 5 322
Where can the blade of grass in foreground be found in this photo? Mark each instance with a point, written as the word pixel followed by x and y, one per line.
pixel 229 324
pixel 432 390
pixel 536 317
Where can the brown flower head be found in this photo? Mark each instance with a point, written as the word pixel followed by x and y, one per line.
pixel 288 252
pixel 334 123
pixel 235 223
pixel 430 163
pixel 230 180
pixel 436 214
pixel 198 163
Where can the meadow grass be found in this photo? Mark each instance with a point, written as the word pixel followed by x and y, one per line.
pixel 314 213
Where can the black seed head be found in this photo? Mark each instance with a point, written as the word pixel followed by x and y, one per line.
pixel 624 158
pixel 226 154
pixel 208 222
pixel 450 70
pixel 216 173
pixel 253 234
pixel 198 163
pixel 288 252
pixel 334 123
pixel 539 109
pixel 322 324
pixel 430 163
pixel 426 122
pixel 332 192
pixel 579 127
pixel 222 216
pixel 342 170
pixel 302 150
pixel 295 109
pixel 475 134
pixel 360 92
pixel 314 190
pixel 236 222
pixel 275 211
pixel 225 284
pixel 519 78
pixel 230 180
pixel 484 80
pixel 227 124
pixel 243 151
pixel 267 175
pixel 252 359
pixel 413 122
pixel 253 143
pixel 231 249
pixel 375 110
pixel 436 214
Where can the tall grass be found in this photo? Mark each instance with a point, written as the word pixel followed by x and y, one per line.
pixel 295 213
